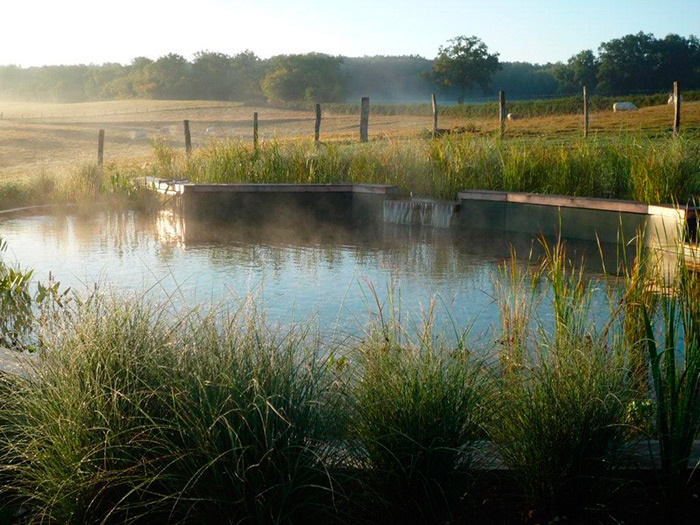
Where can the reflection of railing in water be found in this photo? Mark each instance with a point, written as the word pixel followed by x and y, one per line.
pixel 420 213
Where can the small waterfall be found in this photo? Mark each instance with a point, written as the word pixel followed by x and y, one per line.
pixel 420 213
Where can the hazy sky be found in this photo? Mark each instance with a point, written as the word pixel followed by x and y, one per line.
pixel 37 32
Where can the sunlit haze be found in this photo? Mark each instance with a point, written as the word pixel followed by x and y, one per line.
pixel 39 32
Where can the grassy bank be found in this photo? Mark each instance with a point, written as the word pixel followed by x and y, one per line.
pixel 652 171
pixel 141 415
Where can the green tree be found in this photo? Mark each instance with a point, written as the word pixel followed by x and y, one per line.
pixel 247 75
pixel 169 77
pixel 580 70
pixel 314 77
pixel 628 64
pixel 464 63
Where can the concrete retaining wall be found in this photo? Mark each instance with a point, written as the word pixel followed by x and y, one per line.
pixel 606 220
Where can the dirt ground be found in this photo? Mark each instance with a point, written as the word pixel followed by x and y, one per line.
pixel 50 138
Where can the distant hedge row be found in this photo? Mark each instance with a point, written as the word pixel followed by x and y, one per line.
pixel 528 108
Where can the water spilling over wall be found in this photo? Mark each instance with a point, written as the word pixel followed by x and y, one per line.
pixel 420 213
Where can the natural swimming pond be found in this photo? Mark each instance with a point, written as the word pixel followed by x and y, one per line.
pixel 305 271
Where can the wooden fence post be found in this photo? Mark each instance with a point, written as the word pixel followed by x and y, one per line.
pixel 255 130
pixel 585 112
pixel 188 137
pixel 676 109
pixel 317 125
pixel 364 119
pixel 101 147
pixel 433 103
pixel 502 111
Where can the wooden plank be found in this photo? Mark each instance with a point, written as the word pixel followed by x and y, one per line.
pixel 483 195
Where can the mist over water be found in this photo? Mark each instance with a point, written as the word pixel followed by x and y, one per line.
pixel 326 275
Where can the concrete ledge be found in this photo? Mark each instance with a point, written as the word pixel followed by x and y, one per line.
pixel 374 189
pixel 267 188
pixel 566 201
pixel 180 186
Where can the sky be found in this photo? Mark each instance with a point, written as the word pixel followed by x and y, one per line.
pixel 40 32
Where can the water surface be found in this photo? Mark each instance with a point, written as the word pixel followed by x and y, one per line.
pixel 337 277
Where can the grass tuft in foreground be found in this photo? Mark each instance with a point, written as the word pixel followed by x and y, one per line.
pixel 132 418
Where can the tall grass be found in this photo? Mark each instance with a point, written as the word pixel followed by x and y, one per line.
pixel 648 170
pixel 133 417
pixel 652 171
pixel 419 418
pixel 88 186
pixel 674 362
pixel 561 424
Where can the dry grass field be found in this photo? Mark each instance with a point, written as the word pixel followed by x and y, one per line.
pixel 51 138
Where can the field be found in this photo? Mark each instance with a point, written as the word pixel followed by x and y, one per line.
pixel 46 138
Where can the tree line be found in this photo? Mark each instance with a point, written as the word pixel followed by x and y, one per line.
pixel 635 63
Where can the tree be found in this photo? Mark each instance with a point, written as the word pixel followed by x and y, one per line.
pixel 628 64
pixel 169 77
pixel 580 70
pixel 465 63
pixel 314 77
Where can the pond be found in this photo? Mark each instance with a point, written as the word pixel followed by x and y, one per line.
pixel 334 276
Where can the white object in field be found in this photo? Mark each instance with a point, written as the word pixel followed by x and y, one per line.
pixel 514 116
pixel 624 106
pixel 138 134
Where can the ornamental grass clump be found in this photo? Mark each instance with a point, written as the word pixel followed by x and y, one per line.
pixel 418 420
pixel 133 416
pixel 561 425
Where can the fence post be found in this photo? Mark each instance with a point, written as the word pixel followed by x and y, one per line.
pixel 317 125
pixel 364 119
pixel 433 102
pixel 676 109
pixel 101 147
pixel 502 111
pixel 188 137
pixel 255 130
pixel 585 112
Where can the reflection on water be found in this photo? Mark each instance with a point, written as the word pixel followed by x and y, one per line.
pixel 296 273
